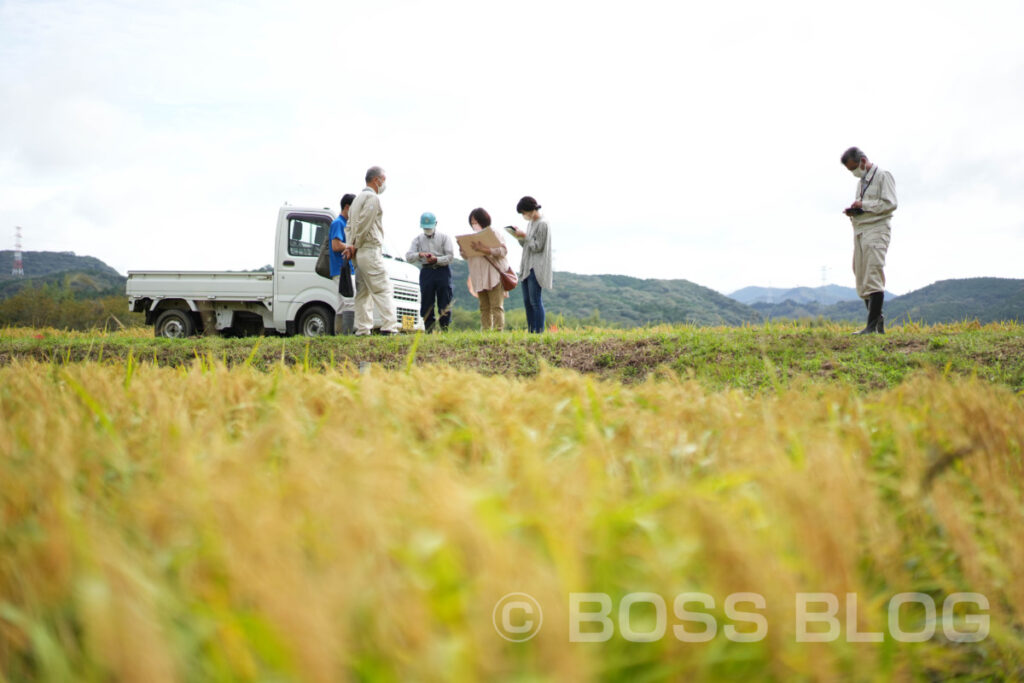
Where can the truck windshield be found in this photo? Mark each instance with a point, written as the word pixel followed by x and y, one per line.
pixel 306 234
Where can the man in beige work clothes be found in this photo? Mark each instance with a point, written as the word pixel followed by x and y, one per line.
pixel 870 214
pixel 365 232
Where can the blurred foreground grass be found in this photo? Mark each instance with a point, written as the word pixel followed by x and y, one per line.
pixel 209 523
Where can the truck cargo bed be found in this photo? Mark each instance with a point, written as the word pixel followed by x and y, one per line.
pixel 200 284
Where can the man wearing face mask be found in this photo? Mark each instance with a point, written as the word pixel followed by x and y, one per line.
pixel 434 252
pixel 365 232
pixel 870 214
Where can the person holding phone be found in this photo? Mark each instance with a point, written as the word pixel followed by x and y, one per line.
pixel 484 267
pixel 535 272
pixel 433 252
pixel 870 214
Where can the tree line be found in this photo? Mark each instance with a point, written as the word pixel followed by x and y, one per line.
pixel 60 306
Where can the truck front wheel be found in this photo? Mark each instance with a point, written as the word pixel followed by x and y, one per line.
pixel 316 321
pixel 174 323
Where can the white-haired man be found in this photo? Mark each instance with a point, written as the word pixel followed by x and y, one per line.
pixel 870 215
pixel 365 232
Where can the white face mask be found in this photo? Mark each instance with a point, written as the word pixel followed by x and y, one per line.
pixel 380 190
pixel 858 172
pixel 428 233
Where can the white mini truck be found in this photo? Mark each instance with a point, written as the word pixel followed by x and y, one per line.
pixel 292 299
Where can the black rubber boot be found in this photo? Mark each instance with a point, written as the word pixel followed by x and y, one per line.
pixel 876 323
pixel 875 311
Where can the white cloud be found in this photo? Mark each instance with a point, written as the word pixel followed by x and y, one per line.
pixel 663 140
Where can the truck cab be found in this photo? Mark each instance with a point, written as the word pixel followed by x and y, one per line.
pixel 289 299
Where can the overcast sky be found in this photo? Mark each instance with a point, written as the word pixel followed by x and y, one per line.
pixel 667 140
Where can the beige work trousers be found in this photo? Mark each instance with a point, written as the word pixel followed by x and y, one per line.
pixel 492 308
pixel 869 248
pixel 373 289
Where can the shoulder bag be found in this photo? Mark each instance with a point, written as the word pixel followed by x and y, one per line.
pixel 323 259
pixel 509 279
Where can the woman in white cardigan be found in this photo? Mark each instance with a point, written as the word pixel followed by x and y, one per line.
pixel 535 273
pixel 483 273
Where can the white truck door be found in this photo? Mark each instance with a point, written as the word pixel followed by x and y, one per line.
pixel 299 237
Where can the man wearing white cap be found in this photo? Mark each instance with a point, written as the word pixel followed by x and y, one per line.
pixel 433 251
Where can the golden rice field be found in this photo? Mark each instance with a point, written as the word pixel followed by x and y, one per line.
pixel 214 523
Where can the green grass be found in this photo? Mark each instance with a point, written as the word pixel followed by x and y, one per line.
pixel 750 358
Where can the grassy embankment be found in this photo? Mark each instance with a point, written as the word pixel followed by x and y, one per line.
pixel 748 357
pixel 186 520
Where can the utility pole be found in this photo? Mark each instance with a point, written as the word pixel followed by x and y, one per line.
pixel 18 270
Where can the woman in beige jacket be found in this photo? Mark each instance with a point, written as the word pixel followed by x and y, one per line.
pixel 483 273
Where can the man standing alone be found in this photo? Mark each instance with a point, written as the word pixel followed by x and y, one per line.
pixel 365 250
pixel 434 252
pixel 870 214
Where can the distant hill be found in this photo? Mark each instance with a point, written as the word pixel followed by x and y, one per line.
pixel 791 310
pixel 623 300
pixel 87 276
pixel 620 299
pixel 826 294
pixel 37 263
pixel 987 299
pixel 84 284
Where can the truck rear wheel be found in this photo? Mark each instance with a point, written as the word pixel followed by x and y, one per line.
pixel 174 323
pixel 316 321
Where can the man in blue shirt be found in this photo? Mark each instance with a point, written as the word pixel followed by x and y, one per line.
pixel 342 322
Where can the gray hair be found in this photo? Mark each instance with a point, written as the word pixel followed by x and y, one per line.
pixel 852 154
pixel 373 172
